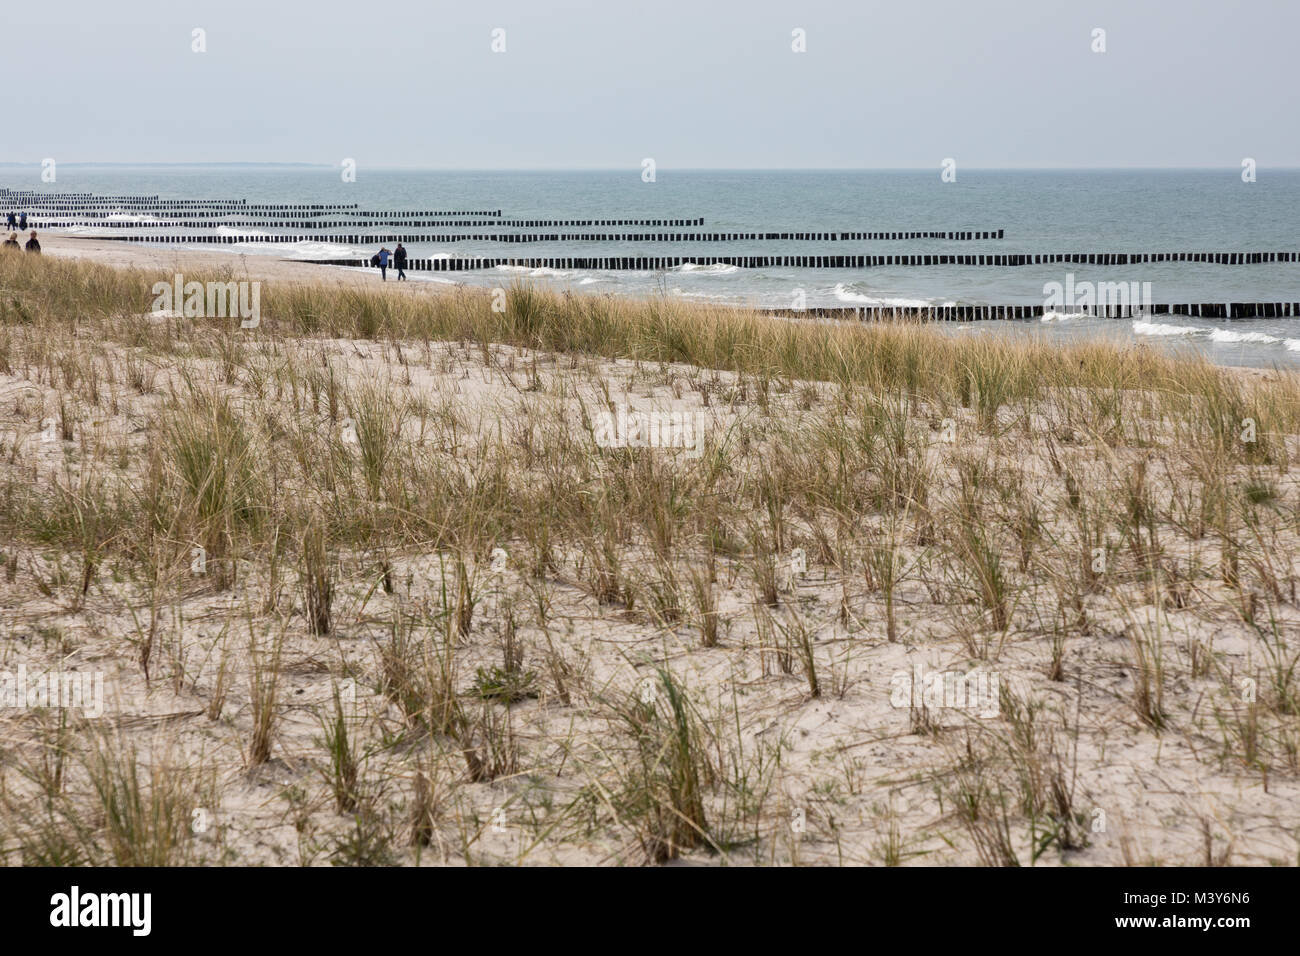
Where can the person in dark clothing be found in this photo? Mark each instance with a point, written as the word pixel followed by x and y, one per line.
pixel 383 263
pixel 399 260
pixel 22 221
pixel 33 245
pixel 11 223
pixel 12 241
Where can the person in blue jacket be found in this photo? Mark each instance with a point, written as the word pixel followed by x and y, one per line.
pixel 383 263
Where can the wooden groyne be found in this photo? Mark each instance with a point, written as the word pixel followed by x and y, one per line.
pixel 353 223
pixel 443 237
pixel 543 237
pixel 655 263
pixel 94 205
pixel 984 313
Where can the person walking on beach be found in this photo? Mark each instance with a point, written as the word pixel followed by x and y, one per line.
pixel 22 221
pixel 12 241
pixel 399 260
pixel 383 263
pixel 33 245
pixel 12 222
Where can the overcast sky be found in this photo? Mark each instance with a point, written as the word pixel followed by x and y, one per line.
pixel 699 84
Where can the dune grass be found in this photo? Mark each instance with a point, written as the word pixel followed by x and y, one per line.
pixel 402 494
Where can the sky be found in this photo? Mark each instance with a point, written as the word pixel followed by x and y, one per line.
pixel 708 84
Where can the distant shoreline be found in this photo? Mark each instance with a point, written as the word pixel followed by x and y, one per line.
pixel 267 267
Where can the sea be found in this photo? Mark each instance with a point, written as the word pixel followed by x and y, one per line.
pixel 1039 211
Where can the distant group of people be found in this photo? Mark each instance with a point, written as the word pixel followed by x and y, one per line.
pixel 17 223
pixel 398 257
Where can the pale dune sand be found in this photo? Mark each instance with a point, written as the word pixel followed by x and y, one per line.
pixel 845 775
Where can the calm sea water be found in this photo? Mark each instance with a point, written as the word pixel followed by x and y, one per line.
pixel 1040 211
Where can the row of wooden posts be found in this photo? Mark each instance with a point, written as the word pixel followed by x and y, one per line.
pixel 47 223
pixel 976 313
pixel 222 217
pixel 643 263
pixel 515 237
pixel 91 205
pixel 957 236
pixel 199 209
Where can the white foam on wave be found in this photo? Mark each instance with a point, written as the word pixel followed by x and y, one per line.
pixel 844 294
pixel 1063 316
pixel 241 231
pixel 711 296
pixel 1227 335
pixel 1159 328
pixel 306 249
pixel 539 273
pixel 1220 336
pixel 717 269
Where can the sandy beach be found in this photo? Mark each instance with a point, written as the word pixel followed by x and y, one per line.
pixel 406 588
pixel 125 255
